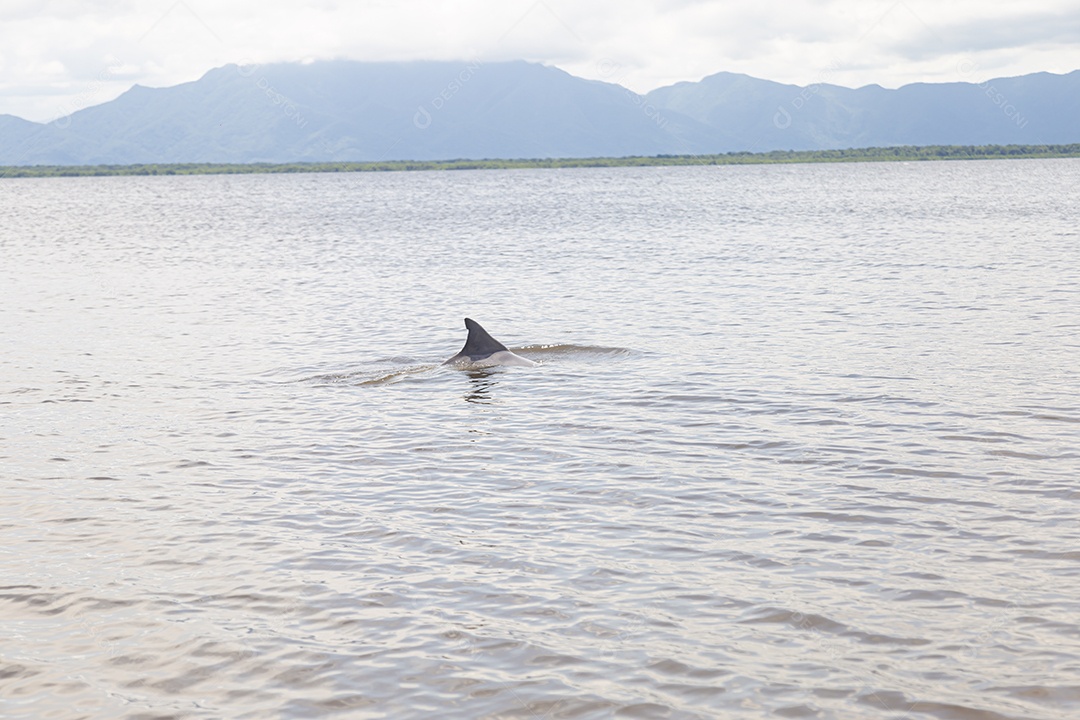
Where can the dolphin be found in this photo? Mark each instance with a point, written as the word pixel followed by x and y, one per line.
pixel 481 351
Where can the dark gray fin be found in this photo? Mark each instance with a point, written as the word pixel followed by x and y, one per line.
pixel 479 343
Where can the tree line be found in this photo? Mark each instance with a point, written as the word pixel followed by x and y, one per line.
pixel 873 154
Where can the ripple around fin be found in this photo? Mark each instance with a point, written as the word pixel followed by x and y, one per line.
pixel 541 353
pixel 385 376
pixel 395 370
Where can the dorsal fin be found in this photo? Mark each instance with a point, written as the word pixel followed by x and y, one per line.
pixel 479 343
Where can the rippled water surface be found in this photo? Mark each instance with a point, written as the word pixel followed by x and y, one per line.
pixel 803 442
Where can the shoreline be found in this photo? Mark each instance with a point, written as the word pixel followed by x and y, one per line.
pixel 883 154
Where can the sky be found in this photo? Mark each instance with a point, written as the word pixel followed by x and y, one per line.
pixel 58 56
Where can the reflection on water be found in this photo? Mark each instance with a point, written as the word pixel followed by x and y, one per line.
pixel 481 384
pixel 801 443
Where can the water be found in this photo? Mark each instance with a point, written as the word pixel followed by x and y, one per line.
pixel 803 442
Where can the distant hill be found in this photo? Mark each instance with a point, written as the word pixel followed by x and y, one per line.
pixel 759 115
pixel 357 111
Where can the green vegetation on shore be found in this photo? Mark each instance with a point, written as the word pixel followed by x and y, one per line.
pixel 886 154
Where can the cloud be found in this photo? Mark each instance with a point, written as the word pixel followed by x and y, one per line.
pixel 73 52
pixel 1037 29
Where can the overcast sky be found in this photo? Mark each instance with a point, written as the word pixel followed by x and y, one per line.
pixel 57 56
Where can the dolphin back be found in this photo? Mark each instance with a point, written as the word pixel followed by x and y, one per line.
pixel 481 350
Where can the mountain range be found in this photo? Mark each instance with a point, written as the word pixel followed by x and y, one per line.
pixel 344 110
